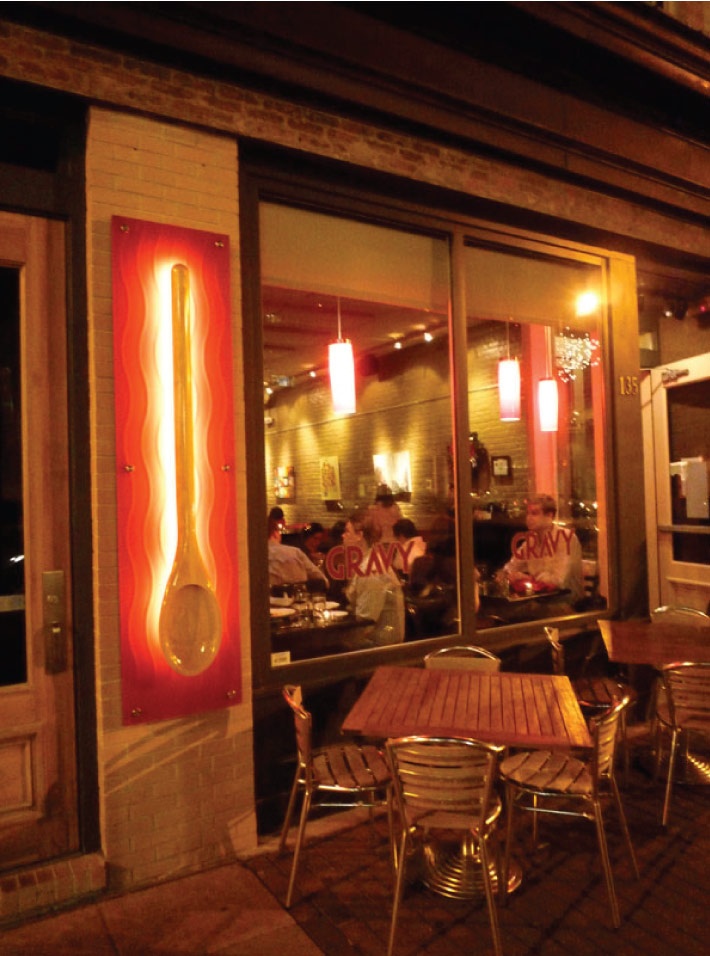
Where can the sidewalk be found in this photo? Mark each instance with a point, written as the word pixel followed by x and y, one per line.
pixel 343 901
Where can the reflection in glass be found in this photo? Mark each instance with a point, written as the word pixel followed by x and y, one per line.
pixel 689 444
pixel 387 292
pixel 538 521
pixel 13 669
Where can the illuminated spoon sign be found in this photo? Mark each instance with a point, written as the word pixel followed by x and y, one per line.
pixel 190 626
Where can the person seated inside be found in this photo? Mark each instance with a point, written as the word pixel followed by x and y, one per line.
pixel 314 537
pixel 287 564
pixel 374 592
pixel 384 513
pixel 432 589
pixel 414 546
pixel 547 558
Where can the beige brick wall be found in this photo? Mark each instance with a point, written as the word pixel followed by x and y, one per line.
pixel 175 795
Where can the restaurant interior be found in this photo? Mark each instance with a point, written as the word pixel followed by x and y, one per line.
pixel 532 362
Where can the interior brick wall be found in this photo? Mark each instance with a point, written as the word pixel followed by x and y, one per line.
pixel 176 795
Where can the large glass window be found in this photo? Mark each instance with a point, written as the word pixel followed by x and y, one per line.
pixel 361 525
pixel 535 402
pixel 369 541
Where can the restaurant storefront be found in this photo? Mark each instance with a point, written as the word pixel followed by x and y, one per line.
pixel 491 301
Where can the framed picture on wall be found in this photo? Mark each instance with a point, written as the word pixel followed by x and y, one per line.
pixel 330 479
pixel 285 483
pixel 501 467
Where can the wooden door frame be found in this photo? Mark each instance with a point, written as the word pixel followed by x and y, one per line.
pixel 655 444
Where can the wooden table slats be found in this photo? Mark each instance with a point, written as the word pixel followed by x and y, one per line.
pixel 525 710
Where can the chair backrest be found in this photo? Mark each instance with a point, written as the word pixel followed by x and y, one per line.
pixel 463 658
pixel 558 652
pixel 303 725
pixel 678 614
pixel 604 731
pixel 688 692
pixel 443 781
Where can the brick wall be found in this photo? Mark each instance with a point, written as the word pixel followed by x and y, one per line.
pixel 121 80
pixel 176 795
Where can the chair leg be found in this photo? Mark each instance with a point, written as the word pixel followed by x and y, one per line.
pixel 399 886
pixel 625 745
pixel 535 832
pixel 390 829
pixel 503 878
pixel 606 864
pixel 625 827
pixel 289 811
pixel 490 896
pixel 305 809
pixel 669 778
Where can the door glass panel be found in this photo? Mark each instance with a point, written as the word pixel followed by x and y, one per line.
pixel 365 495
pixel 13 658
pixel 538 491
pixel 689 444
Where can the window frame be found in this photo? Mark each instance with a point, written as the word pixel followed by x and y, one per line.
pixel 262 184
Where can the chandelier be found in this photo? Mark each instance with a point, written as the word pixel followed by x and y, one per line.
pixel 575 351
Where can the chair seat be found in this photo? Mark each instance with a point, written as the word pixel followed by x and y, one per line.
pixel 601 693
pixel 451 820
pixel 350 767
pixel 546 771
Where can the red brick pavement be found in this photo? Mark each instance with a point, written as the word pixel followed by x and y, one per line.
pixel 344 889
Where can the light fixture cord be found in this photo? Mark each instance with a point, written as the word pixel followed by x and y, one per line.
pixel 548 352
pixel 340 337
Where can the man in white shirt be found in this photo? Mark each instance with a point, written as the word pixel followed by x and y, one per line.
pixel 547 556
pixel 289 565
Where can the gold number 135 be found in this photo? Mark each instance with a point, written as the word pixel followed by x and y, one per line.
pixel 628 384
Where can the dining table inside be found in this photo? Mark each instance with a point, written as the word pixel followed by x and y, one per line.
pixel 511 709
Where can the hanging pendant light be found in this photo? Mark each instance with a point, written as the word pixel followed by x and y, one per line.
pixel 547 399
pixel 509 386
pixel 341 365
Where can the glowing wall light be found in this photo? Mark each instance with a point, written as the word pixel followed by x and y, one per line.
pixel 341 365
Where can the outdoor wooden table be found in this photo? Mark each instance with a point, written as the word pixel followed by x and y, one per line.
pixel 650 642
pixel 517 710
pixel 647 642
pixel 522 710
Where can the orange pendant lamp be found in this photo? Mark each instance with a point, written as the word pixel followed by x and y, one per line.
pixel 547 398
pixel 509 389
pixel 509 386
pixel 341 366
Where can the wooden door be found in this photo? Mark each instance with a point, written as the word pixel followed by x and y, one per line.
pixel 38 791
pixel 676 410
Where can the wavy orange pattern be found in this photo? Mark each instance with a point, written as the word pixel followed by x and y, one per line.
pixel 143 254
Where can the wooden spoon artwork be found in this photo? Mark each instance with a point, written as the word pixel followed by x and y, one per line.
pixel 190 626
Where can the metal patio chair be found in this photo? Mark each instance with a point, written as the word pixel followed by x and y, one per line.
pixel 671 614
pixel 685 711
pixel 595 694
pixel 543 781
pixel 447 784
pixel 463 658
pixel 344 775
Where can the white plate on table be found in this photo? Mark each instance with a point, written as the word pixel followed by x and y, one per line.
pixel 282 611
pixel 338 615
pixel 284 601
